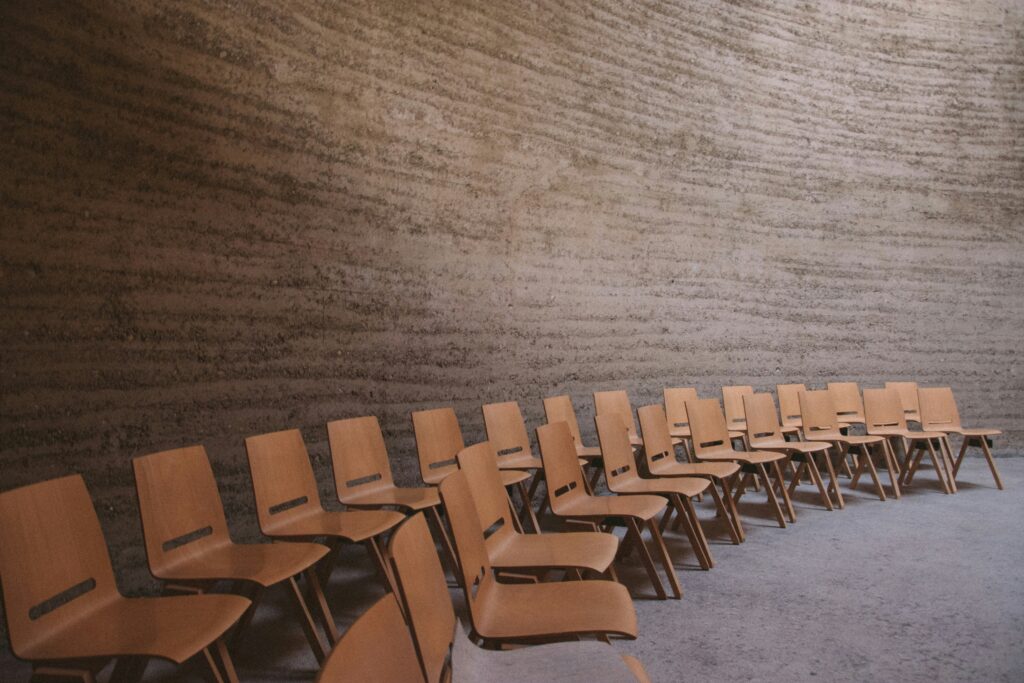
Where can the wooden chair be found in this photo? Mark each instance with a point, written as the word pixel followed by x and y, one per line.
pixel 288 504
pixel 884 416
pixel 732 401
pixel 821 423
pixel 848 403
pixel 569 499
pixel 425 649
pixel 64 612
pixel 623 479
pixel 439 440
pixel 766 434
pixel 528 612
pixel 659 452
pixel 362 476
pixel 675 414
pixel 908 399
pixel 618 402
pixel 511 550
pixel 189 548
pixel 559 409
pixel 712 443
pixel 789 405
pixel 939 414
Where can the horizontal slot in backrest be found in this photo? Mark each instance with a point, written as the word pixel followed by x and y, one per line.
pixel 818 429
pixel 288 504
pixel 494 528
pixel 659 456
pixel 792 417
pixel 61 599
pixel 889 424
pixel 510 451
pixel 846 412
pixel 620 470
pixel 363 480
pixel 441 463
pixel 562 490
pixel 185 539
pixel 908 412
pixel 761 435
pixel 707 444
pixel 680 424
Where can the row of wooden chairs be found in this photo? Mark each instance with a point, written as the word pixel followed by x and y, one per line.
pixel 57 613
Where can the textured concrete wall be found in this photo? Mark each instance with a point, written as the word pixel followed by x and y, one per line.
pixel 222 219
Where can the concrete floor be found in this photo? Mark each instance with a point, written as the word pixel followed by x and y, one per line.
pixel 928 588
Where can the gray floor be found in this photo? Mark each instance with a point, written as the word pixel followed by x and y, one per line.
pixel 928 588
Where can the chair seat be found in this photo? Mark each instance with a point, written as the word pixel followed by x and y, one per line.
pixel 519 461
pixel 905 433
pixel 588 452
pixel 745 457
pixel 857 440
pixel 516 612
pixel 790 429
pixel 172 628
pixel 263 563
pixel 598 507
pixel 718 470
pixel 792 446
pixel 979 431
pixel 414 499
pixel 680 432
pixel 584 549
pixel 352 525
pixel 585 662
pixel 683 486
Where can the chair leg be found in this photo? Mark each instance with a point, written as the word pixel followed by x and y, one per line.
pixel 316 595
pixel 991 462
pixel 960 457
pixel 227 666
pixel 723 513
pixel 860 470
pixel 812 467
pixel 448 554
pixel 727 498
pixel 909 472
pixel 377 553
pixel 866 453
pixel 694 533
pixel 947 465
pixel 772 500
pixel 666 561
pixel 890 463
pixel 645 556
pixel 741 486
pixel 306 620
pixel 833 479
pixel 528 506
pixel 939 470
pixel 790 512
pixel 796 477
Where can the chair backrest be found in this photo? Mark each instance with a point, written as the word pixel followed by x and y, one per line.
pixel 54 563
pixel 438 440
pixel 506 429
pixel 422 584
pixel 616 402
pixel 359 456
pixel 789 403
pixel 818 414
pixel 732 400
pixel 762 420
pixel 283 482
pixel 480 463
pixel 562 469
pixel 675 405
pixel 707 424
pixel 938 409
pixel 181 509
pixel 908 399
pixel 376 647
pixel 883 409
pixel 460 507
pixel 616 450
pixel 847 400
pixel 658 448
pixel 559 409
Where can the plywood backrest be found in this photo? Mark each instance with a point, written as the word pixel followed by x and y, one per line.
pixel 469 538
pixel 359 456
pixel 789 403
pixel 559 409
pixel 707 425
pixel 283 482
pixel 561 466
pixel 676 399
pixel 847 400
pixel 615 402
pixel 762 420
pixel 938 409
pixel 506 429
pixel 818 414
pixel 480 463
pixel 908 399
pixel 424 589
pixel 616 450
pixel 883 409
pixel 181 509
pixel 376 647
pixel 438 440
pixel 658 447
pixel 732 400
pixel 54 564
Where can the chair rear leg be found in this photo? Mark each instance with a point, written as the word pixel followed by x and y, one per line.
pixel 772 500
pixel 890 463
pixel 315 594
pixel 812 466
pixel 528 506
pixel 694 533
pixel 991 462
pixel 377 553
pixel 723 513
pixel 727 498
pixel 796 477
pixel 790 512
pixel 866 454
pixel 938 467
pixel 645 556
pixel 306 620
pixel 833 480
pixel 666 561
